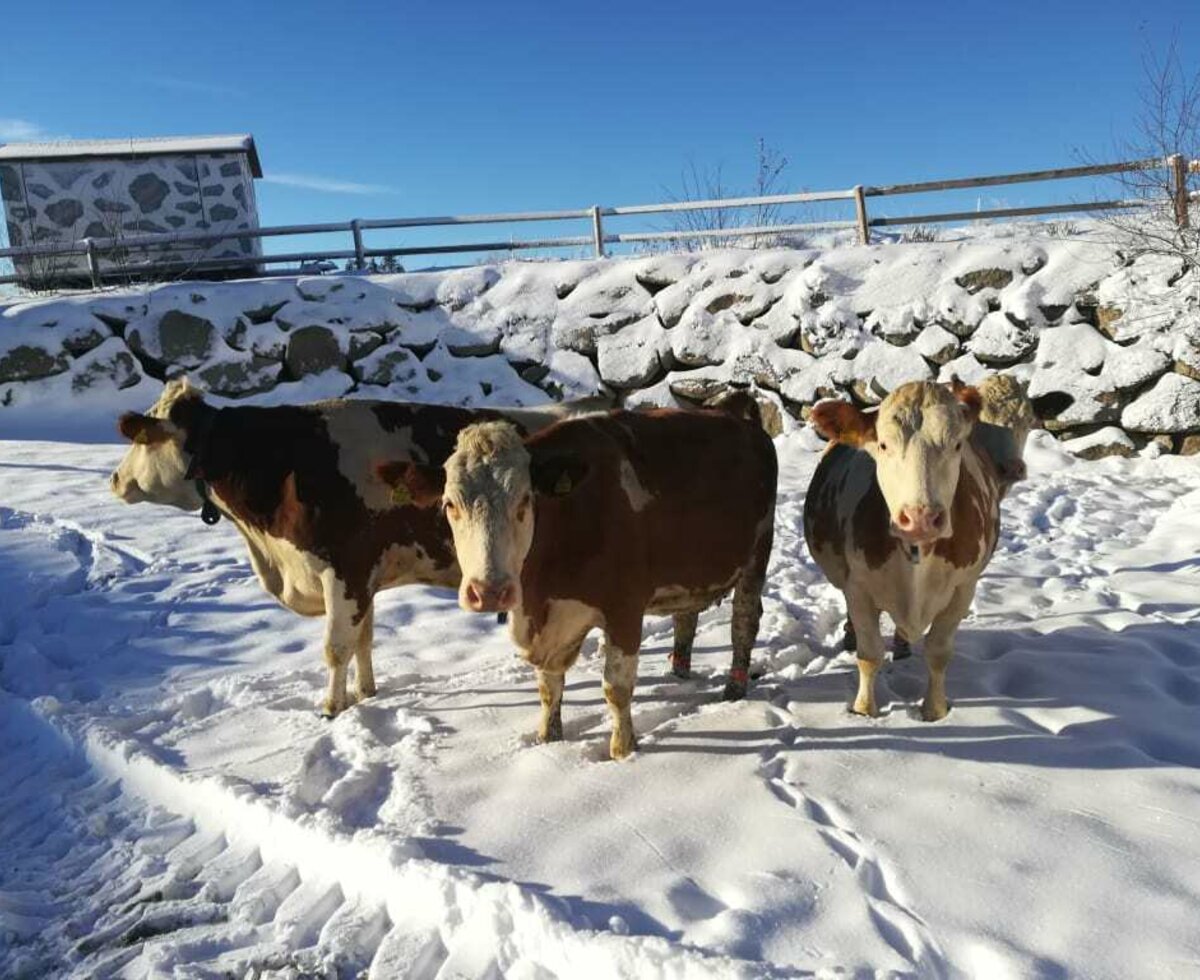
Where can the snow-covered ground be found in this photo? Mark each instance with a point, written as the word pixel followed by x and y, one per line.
pixel 173 805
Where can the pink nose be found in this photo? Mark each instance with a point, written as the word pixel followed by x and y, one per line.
pixel 488 597
pixel 921 522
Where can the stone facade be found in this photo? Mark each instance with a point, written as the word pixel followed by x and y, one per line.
pixel 69 199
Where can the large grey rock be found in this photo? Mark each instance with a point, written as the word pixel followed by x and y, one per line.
pixel 311 350
pixel 244 377
pixel 979 279
pixel 107 366
pixel 27 362
pixel 149 191
pixel 185 337
pixel 178 339
pixel 383 367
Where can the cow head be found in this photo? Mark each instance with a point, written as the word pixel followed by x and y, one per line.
pixel 487 490
pixel 1006 407
pixel 916 439
pixel 155 467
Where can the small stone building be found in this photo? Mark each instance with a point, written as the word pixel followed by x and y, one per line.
pixel 118 188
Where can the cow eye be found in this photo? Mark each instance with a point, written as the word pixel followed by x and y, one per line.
pixel 958 448
pixel 883 447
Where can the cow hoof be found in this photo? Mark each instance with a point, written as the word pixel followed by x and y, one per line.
pixel 865 708
pixel 366 692
pixel 681 667
pixel 733 691
pixel 621 748
pixel 934 712
pixel 901 649
pixel 549 735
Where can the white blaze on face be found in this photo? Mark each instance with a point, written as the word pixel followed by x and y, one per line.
pixel 489 503
pixel 920 434
pixel 155 467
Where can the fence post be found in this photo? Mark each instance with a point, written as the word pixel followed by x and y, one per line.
pixel 860 208
pixel 360 258
pixel 597 231
pixel 1179 189
pixel 93 262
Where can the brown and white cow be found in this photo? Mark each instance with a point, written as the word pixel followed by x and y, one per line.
pixel 902 515
pixel 598 520
pixel 323 530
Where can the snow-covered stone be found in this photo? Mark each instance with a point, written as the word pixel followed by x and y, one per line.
pixel 632 358
pixel 998 342
pixel 1109 441
pixel 937 344
pixel 879 368
pixel 1172 405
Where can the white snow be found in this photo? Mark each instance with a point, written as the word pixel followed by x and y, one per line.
pixel 174 807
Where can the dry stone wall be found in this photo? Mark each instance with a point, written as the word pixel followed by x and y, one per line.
pixel 1110 353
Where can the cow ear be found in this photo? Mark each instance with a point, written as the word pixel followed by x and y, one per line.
pixel 557 476
pixel 969 397
pixel 144 430
pixel 413 484
pixel 840 421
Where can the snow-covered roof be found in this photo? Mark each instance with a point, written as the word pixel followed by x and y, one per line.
pixel 134 147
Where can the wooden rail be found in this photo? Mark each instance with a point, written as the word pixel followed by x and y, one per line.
pixel 95 249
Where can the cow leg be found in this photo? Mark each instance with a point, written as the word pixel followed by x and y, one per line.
pixel 685 636
pixel 939 648
pixel 901 648
pixel 747 613
pixel 342 629
pixel 364 670
pixel 620 674
pixel 550 689
pixel 864 616
pixel 849 640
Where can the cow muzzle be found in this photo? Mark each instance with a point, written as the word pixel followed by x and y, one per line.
pixel 126 490
pixel 921 524
pixel 480 596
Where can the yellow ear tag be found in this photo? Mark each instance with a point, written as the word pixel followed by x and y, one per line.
pixel 563 486
pixel 401 494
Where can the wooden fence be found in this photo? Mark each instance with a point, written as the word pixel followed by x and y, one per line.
pixel 598 237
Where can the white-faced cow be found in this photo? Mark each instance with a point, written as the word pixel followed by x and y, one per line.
pixel 323 530
pixel 902 515
pixel 598 520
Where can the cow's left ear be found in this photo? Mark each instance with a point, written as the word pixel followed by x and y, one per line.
pixel 969 397
pixel 839 421
pixel 558 475
pixel 144 430
pixel 413 484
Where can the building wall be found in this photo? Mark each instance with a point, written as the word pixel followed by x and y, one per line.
pixel 66 200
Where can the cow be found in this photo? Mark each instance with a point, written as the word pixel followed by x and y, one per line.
pixel 902 515
pixel 298 482
pixel 600 519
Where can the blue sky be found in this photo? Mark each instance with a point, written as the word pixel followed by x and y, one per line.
pixel 387 109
